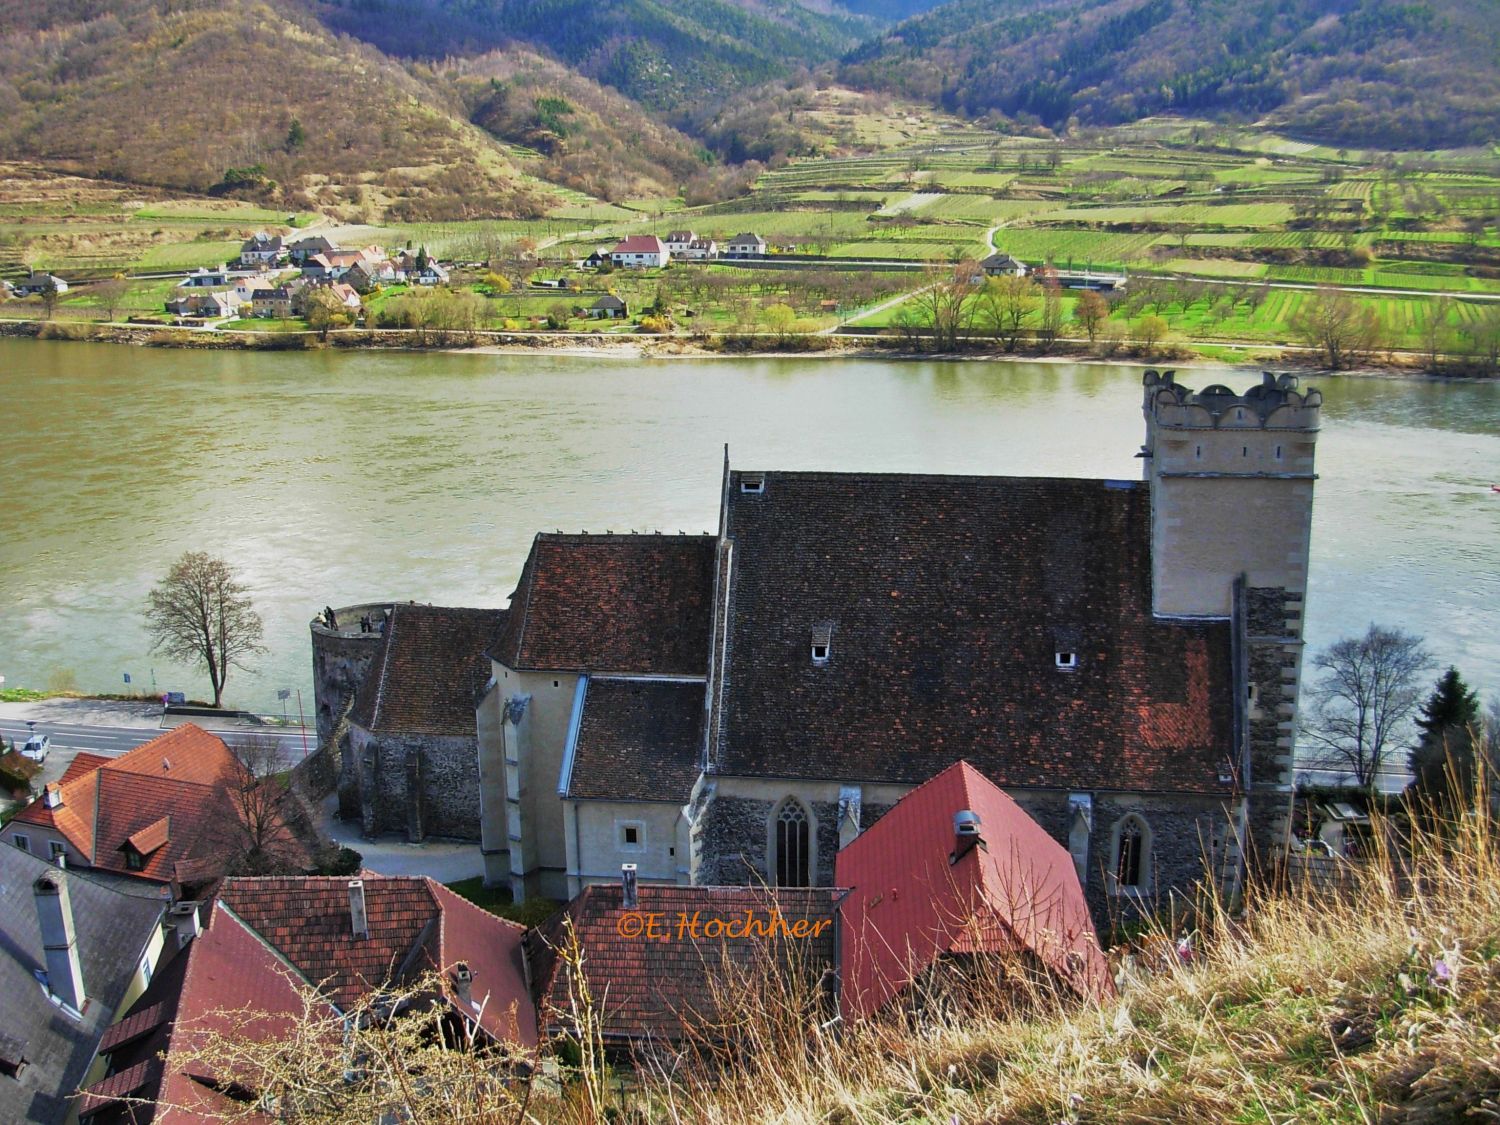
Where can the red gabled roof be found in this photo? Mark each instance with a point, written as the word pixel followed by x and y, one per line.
pixel 154 835
pixel 639 244
pixel 909 905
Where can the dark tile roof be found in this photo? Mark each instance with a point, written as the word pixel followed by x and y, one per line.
pixel 654 987
pixel 112 931
pixel 430 670
pixel 415 924
pixel 948 598
pixel 639 740
pixel 612 603
pixel 909 905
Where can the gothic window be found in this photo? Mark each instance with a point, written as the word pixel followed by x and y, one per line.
pixel 792 845
pixel 1132 854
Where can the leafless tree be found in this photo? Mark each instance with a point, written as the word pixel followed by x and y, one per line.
pixel 110 294
pixel 1006 306
pixel 1337 325
pixel 945 304
pixel 271 833
pixel 201 614
pixel 1363 701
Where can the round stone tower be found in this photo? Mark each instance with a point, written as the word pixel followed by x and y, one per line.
pixel 342 653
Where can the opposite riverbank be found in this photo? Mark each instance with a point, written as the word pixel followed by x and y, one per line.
pixel 842 345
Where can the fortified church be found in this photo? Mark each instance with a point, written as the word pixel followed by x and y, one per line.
pixel 1121 657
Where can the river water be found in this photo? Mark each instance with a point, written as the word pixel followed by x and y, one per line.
pixel 334 477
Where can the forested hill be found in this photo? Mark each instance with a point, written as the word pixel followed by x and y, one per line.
pixel 1380 72
pixel 669 55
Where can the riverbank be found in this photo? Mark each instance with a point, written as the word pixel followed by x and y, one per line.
pixel 841 345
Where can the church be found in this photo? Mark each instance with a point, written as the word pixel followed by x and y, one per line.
pixel 1121 657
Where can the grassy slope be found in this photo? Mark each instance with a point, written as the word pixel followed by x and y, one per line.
pixel 1356 71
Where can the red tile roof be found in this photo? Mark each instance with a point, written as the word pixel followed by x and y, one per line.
pixel 909 903
pixel 415 925
pixel 658 983
pixel 612 603
pixel 640 244
pixel 948 599
pixel 151 837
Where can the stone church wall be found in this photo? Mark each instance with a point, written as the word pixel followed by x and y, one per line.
pixel 417 785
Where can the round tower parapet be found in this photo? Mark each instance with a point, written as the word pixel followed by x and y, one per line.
pixel 343 651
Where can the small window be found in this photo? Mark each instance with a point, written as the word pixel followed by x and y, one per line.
pixel 1198 452
pixel 822 643
pixel 1067 660
pixel 1278 453
pixel 632 835
pixel 820 654
pixel 1244 451
pixel 134 861
pixel 55 849
pixel 754 483
pixel 555 683
pixel 22 842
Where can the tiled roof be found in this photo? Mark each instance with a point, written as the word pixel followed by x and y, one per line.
pixel 639 244
pixel 639 740
pixel 112 931
pixel 151 837
pixel 654 987
pixel 948 600
pixel 185 753
pixel 414 925
pixel 612 603
pixel 909 903
pixel 431 668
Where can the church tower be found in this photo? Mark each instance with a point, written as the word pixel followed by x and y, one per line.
pixel 1231 480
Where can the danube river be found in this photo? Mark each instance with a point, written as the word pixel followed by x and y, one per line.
pixel 336 478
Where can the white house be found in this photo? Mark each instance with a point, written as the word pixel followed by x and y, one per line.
pixel 745 246
pixel 678 242
pixel 640 251
pixel 261 251
pixel 698 250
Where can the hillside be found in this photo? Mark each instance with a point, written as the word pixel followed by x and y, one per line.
pixel 667 54
pixel 242 98
pixel 1350 72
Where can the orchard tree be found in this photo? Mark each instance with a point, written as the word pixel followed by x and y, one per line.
pixel 200 613
pixel 1091 311
pixel 1363 700
pixel 1334 323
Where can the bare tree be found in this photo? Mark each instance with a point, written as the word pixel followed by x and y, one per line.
pixel 946 303
pixel 1364 699
pixel 110 294
pixel 1006 306
pixel 1337 325
pixel 201 614
pixel 271 833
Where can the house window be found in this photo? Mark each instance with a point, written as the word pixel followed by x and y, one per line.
pixel 1068 660
pixel 22 842
pixel 134 861
pixel 822 643
pixel 753 483
pixel 55 849
pixel 1132 854
pixel 632 835
pixel 793 842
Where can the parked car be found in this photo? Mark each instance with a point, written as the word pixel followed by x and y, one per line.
pixel 36 747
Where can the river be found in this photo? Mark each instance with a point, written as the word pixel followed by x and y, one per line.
pixel 342 477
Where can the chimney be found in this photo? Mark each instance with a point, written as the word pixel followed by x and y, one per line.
pixel 628 898
pixel 54 911
pixel 53 796
pixel 463 978
pixel 357 918
pixel 965 833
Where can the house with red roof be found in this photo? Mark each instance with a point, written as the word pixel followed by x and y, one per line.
pixel 263 943
pixel 958 871
pixel 640 251
pixel 163 813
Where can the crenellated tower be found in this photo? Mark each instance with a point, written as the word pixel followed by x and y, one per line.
pixel 1231 480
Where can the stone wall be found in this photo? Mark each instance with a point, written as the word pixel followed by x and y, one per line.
pixel 416 785
pixel 341 660
pixel 733 841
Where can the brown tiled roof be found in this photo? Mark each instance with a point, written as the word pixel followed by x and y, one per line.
pixel 948 599
pixel 151 837
pixel 185 753
pixel 415 925
pixel 655 986
pixel 639 244
pixel 612 603
pixel 431 668
pixel 639 740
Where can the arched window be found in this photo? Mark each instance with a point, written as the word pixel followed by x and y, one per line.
pixel 1132 854
pixel 791 840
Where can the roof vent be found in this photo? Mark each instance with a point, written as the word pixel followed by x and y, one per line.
pixel 53 798
pixel 166 764
pixel 358 920
pixel 822 643
pixel 965 833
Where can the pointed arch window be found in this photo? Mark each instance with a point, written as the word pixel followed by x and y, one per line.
pixel 791 832
pixel 1132 854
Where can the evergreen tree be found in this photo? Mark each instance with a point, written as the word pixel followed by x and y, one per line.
pixel 1448 721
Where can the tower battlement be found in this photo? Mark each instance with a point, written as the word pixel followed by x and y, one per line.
pixel 1274 404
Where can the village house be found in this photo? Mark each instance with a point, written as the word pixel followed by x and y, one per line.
pixel 698 250
pixel 597 258
pixel 276 302
pixel 161 814
pixel 745 246
pixel 1121 658
pixel 93 949
pixel 640 251
pixel 678 241
pixel 205 278
pixel 260 939
pixel 367 273
pixel 1001 264
pixel 608 307
pixel 37 284
pixel 305 248
pixel 261 251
